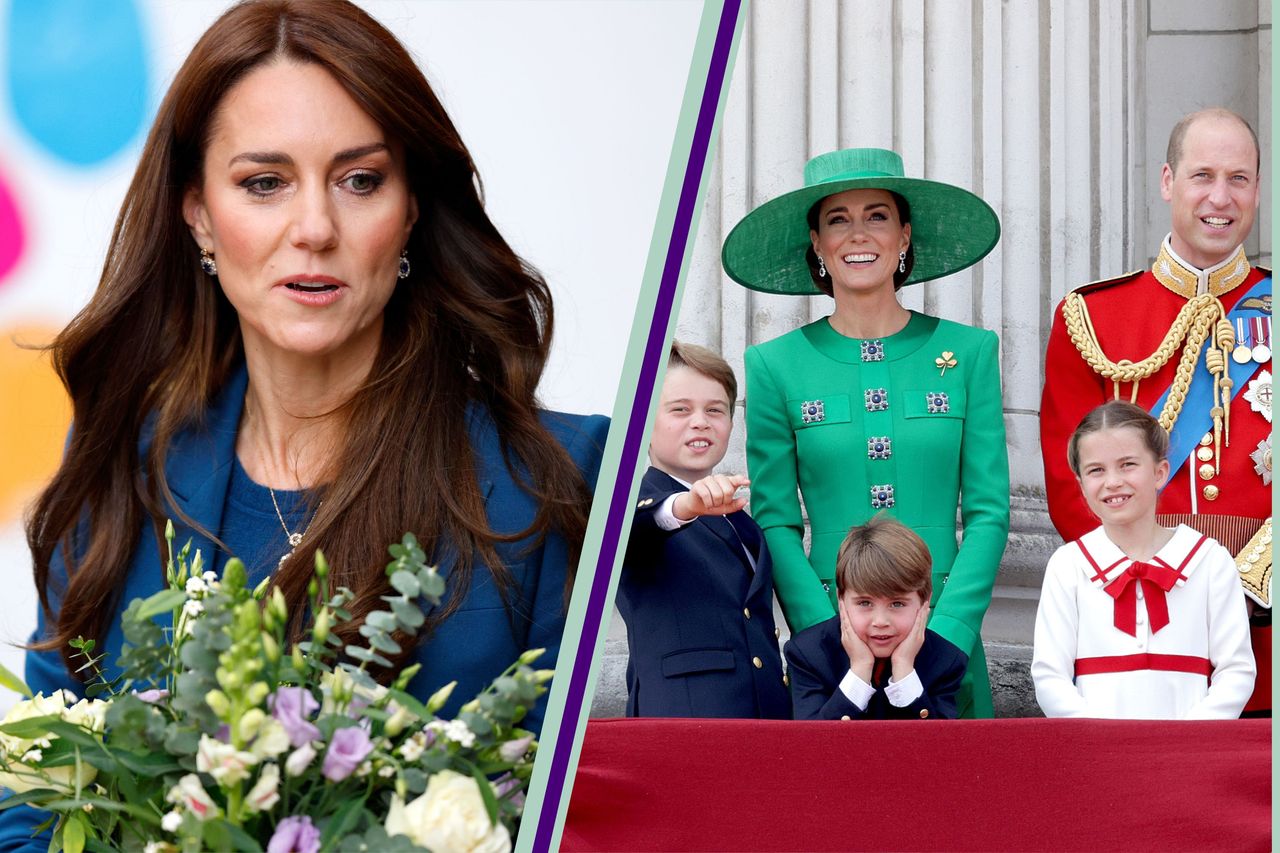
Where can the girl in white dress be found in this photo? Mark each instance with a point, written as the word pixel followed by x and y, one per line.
pixel 1136 620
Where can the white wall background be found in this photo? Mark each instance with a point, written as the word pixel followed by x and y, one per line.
pixel 568 108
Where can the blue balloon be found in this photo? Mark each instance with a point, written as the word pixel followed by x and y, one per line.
pixel 78 75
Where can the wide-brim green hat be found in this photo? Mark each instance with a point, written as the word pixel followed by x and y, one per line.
pixel 951 228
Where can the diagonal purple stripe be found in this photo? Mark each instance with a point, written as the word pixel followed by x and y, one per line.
pixel 653 357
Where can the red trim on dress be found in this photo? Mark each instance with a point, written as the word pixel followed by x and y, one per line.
pixel 1133 663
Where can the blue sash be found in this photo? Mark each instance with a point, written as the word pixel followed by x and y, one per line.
pixel 1195 420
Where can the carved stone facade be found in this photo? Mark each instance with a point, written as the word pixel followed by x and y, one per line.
pixel 1056 113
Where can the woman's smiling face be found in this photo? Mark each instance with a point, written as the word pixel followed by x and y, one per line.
pixel 305 205
pixel 859 237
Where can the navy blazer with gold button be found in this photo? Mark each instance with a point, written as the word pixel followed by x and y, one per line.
pixel 699 620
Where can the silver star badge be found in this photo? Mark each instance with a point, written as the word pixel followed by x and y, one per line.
pixel 1262 461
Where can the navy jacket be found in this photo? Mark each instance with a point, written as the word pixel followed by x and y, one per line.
pixel 699 620
pixel 817 662
pixel 473 646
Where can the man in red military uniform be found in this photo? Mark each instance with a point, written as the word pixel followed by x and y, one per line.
pixel 1189 340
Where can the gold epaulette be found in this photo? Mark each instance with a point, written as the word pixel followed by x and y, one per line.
pixel 1254 565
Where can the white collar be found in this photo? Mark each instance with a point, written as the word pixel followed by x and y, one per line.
pixel 1104 561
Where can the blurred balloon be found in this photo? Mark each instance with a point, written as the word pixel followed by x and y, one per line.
pixel 77 73
pixel 12 234
pixel 34 417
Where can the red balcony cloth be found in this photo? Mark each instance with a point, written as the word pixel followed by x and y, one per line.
pixel 960 785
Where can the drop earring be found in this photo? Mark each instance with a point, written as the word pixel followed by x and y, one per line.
pixel 822 268
pixel 207 263
pixel 403 272
pixel 902 261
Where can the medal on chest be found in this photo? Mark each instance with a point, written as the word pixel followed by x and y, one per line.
pixel 1262 461
pixel 1258 394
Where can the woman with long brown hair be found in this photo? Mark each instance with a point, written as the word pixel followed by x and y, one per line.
pixel 309 335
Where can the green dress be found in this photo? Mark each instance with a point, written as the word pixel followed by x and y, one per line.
pixel 861 427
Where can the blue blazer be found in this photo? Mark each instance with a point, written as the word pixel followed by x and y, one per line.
pixel 817 662
pixel 699 621
pixel 473 646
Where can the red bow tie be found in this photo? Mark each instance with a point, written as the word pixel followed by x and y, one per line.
pixel 1155 581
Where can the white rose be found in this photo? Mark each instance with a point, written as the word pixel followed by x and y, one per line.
pixel 449 817
pixel 19 776
pixel 264 795
pixel 226 764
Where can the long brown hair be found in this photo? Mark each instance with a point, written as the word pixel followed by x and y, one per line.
pixel 471 326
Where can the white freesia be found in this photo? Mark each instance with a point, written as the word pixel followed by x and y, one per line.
pixel 264 795
pixel 226 764
pixel 190 794
pixel 172 821
pixel 339 689
pixel 449 817
pixel 272 739
pixel 299 760
pixel 336 689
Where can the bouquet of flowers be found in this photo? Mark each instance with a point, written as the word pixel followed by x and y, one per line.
pixel 214 737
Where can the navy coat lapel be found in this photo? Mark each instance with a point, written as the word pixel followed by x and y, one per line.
pixel 199 464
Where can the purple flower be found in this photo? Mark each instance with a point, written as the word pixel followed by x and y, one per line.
pixel 291 706
pixel 347 749
pixel 295 835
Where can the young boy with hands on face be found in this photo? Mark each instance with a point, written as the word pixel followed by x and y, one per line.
pixel 876 659
pixel 697 586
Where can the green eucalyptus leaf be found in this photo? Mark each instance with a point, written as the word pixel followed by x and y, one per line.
pixel 415 779
pixel 381 620
pixel 385 644
pixel 367 656
pixel 407 614
pixel 406 584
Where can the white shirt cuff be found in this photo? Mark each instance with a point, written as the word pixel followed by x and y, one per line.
pixel 665 517
pixel 856 690
pixel 903 693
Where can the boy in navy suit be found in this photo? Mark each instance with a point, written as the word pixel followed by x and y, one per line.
pixel 697 587
pixel 876 659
